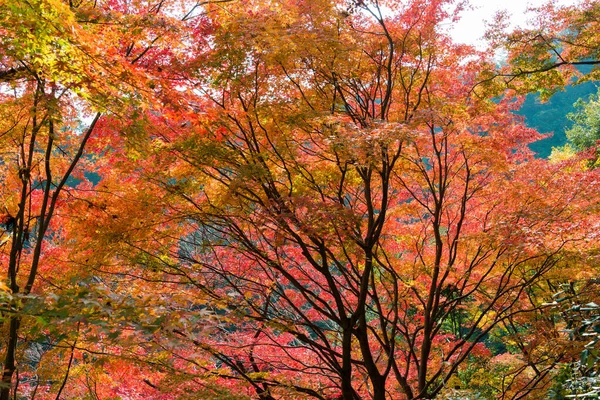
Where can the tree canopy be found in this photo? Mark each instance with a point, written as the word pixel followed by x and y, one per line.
pixel 277 199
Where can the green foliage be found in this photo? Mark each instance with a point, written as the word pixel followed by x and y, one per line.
pixel 552 116
pixel 586 123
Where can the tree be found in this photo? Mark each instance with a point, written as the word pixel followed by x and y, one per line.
pixel 559 46
pixel 585 131
pixel 63 66
pixel 361 221
pixel 288 199
pixel 561 49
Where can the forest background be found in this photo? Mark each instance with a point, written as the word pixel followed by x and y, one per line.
pixel 325 199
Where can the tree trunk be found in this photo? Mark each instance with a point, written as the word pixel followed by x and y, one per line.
pixel 9 364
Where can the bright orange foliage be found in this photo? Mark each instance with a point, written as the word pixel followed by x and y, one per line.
pixel 285 199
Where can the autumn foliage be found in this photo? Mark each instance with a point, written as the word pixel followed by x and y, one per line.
pixel 278 200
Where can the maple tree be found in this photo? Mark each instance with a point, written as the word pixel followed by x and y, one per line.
pixel 561 48
pixel 288 199
pixel 558 46
pixel 64 66
pixel 360 221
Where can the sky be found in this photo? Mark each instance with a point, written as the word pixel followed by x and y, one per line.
pixel 472 26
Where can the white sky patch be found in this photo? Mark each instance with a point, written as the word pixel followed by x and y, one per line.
pixel 471 28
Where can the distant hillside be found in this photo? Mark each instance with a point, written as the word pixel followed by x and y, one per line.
pixel 551 116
